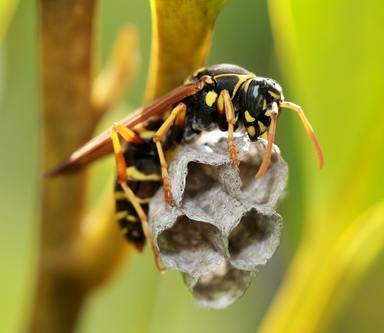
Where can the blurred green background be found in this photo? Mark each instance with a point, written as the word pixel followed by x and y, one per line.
pixel 328 56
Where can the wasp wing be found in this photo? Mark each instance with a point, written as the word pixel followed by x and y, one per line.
pixel 101 145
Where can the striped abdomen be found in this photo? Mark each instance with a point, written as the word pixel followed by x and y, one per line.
pixel 144 179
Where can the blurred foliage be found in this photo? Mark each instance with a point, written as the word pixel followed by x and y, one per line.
pixel 7 8
pixel 331 61
pixel 333 64
pixel 19 140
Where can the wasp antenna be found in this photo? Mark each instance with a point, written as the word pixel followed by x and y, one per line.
pixel 308 128
pixel 271 139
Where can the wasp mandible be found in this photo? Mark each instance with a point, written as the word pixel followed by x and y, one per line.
pixel 222 96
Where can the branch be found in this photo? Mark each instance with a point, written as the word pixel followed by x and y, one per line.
pixel 114 79
pixel 66 45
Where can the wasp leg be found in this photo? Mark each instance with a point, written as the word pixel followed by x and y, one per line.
pixel 130 136
pixel 308 128
pixel 180 109
pixel 271 139
pixel 144 223
pixel 225 105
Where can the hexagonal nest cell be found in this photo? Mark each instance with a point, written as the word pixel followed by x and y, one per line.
pixel 223 226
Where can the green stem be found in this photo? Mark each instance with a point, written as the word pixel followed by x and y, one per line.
pixel 66 49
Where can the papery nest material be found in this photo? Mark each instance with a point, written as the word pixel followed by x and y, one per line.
pixel 223 226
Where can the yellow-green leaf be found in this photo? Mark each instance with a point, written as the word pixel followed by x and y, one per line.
pixel 333 66
pixel 329 53
pixel 181 38
pixel 315 279
pixel 7 9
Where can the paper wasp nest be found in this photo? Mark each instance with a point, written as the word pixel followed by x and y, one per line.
pixel 223 226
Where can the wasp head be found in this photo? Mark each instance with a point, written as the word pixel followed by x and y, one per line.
pixel 259 98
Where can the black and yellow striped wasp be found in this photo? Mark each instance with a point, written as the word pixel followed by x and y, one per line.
pixel 222 96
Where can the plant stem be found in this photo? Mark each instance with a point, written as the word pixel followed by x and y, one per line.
pixel 66 49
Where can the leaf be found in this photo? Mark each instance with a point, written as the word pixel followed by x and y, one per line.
pixel 315 278
pixel 7 9
pixel 332 65
pixel 181 38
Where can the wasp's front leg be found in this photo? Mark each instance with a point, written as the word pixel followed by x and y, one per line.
pixel 177 113
pixel 224 105
pixel 131 137
pixel 271 139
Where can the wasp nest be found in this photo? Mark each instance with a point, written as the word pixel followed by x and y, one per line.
pixel 223 226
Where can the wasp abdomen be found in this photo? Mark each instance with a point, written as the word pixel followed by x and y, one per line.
pixel 144 179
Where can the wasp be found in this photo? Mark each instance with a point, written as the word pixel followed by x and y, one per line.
pixel 222 96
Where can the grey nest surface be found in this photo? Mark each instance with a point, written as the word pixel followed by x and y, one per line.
pixel 223 226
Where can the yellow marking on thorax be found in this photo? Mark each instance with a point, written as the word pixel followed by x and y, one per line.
pixel 242 78
pixel 247 84
pixel 224 75
pixel 262 126
pixel 251 130
pixel 268 113
pixel 210 98
pixel 135 174
pixel 248 117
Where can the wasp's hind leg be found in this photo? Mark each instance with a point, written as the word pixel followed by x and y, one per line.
pixel 225 105
pixel 178 113
pixel 131 137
